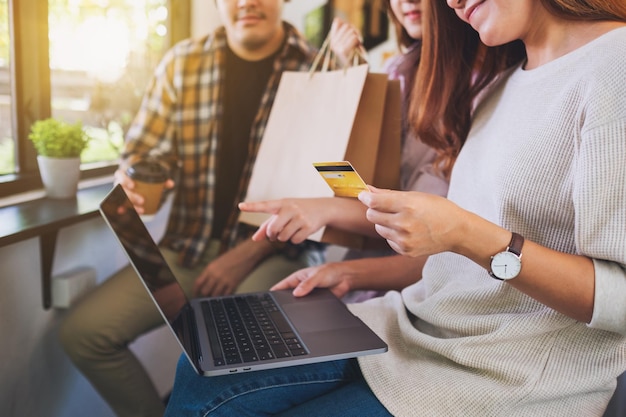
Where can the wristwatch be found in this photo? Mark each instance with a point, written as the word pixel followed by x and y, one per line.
pixel 506 265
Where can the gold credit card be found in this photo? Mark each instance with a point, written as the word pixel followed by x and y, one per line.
pixel 341 177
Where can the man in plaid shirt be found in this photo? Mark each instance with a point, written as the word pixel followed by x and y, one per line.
pixel 203 114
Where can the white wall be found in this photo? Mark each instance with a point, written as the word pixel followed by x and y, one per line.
pixel 36 378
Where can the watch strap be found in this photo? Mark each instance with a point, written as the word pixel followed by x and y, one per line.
pixel 515 246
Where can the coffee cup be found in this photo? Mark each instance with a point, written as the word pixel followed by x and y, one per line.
pixel 149 177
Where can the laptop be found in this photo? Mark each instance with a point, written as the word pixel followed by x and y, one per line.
pixel 241 332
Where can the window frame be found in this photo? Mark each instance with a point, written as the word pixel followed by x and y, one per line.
pixel 31 86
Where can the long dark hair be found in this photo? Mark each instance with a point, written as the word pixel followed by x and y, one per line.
pixel 456 67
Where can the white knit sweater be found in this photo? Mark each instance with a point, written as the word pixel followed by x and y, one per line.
pixel 546 157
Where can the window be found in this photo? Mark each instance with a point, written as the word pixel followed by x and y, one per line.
pixel 6 137
pixel 78 60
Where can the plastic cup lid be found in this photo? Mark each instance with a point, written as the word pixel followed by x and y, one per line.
pixel 148 171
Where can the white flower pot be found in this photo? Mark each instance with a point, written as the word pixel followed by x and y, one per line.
pixel 59 176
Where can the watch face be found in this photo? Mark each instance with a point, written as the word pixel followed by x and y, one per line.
pixel 506 265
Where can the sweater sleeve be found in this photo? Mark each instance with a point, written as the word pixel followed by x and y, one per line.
pixel 609 312
pixel 600 199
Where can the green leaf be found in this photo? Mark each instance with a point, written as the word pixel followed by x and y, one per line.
pixel 58 139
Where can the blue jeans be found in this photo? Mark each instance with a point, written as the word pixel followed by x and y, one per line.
pixel 326 389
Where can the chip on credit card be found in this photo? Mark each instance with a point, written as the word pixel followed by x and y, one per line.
pixel 342 178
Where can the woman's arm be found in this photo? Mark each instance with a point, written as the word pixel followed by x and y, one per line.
pixel 419 224
pixel 561 281
pixel 381 274
pixel 295 219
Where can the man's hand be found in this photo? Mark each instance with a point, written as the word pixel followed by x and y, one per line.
pixel 128 185
pixel 224 274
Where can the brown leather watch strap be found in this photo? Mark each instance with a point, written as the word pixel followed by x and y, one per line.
pixel 515 246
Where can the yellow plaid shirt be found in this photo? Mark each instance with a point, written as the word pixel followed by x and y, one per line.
pixel 179 122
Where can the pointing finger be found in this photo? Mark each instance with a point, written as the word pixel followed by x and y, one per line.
pixel 270 206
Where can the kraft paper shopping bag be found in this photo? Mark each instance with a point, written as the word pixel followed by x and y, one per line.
pixel 348 114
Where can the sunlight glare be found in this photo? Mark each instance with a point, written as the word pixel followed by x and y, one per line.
pixel 99 45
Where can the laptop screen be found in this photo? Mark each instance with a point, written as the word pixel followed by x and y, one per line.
pixel 144 253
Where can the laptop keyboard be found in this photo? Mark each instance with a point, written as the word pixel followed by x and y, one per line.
pixel 249 328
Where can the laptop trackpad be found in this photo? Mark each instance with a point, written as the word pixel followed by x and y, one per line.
pixel 319 316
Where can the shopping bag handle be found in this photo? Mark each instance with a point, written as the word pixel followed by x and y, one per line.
pixel 326 53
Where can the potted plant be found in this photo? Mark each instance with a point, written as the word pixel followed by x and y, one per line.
pixel 59 146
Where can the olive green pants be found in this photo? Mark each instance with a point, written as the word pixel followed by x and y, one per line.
pixel 96 333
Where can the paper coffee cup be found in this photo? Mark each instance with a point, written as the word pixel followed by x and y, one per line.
pixel 149 177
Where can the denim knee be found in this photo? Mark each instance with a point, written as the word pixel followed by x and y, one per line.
pixel 256 393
